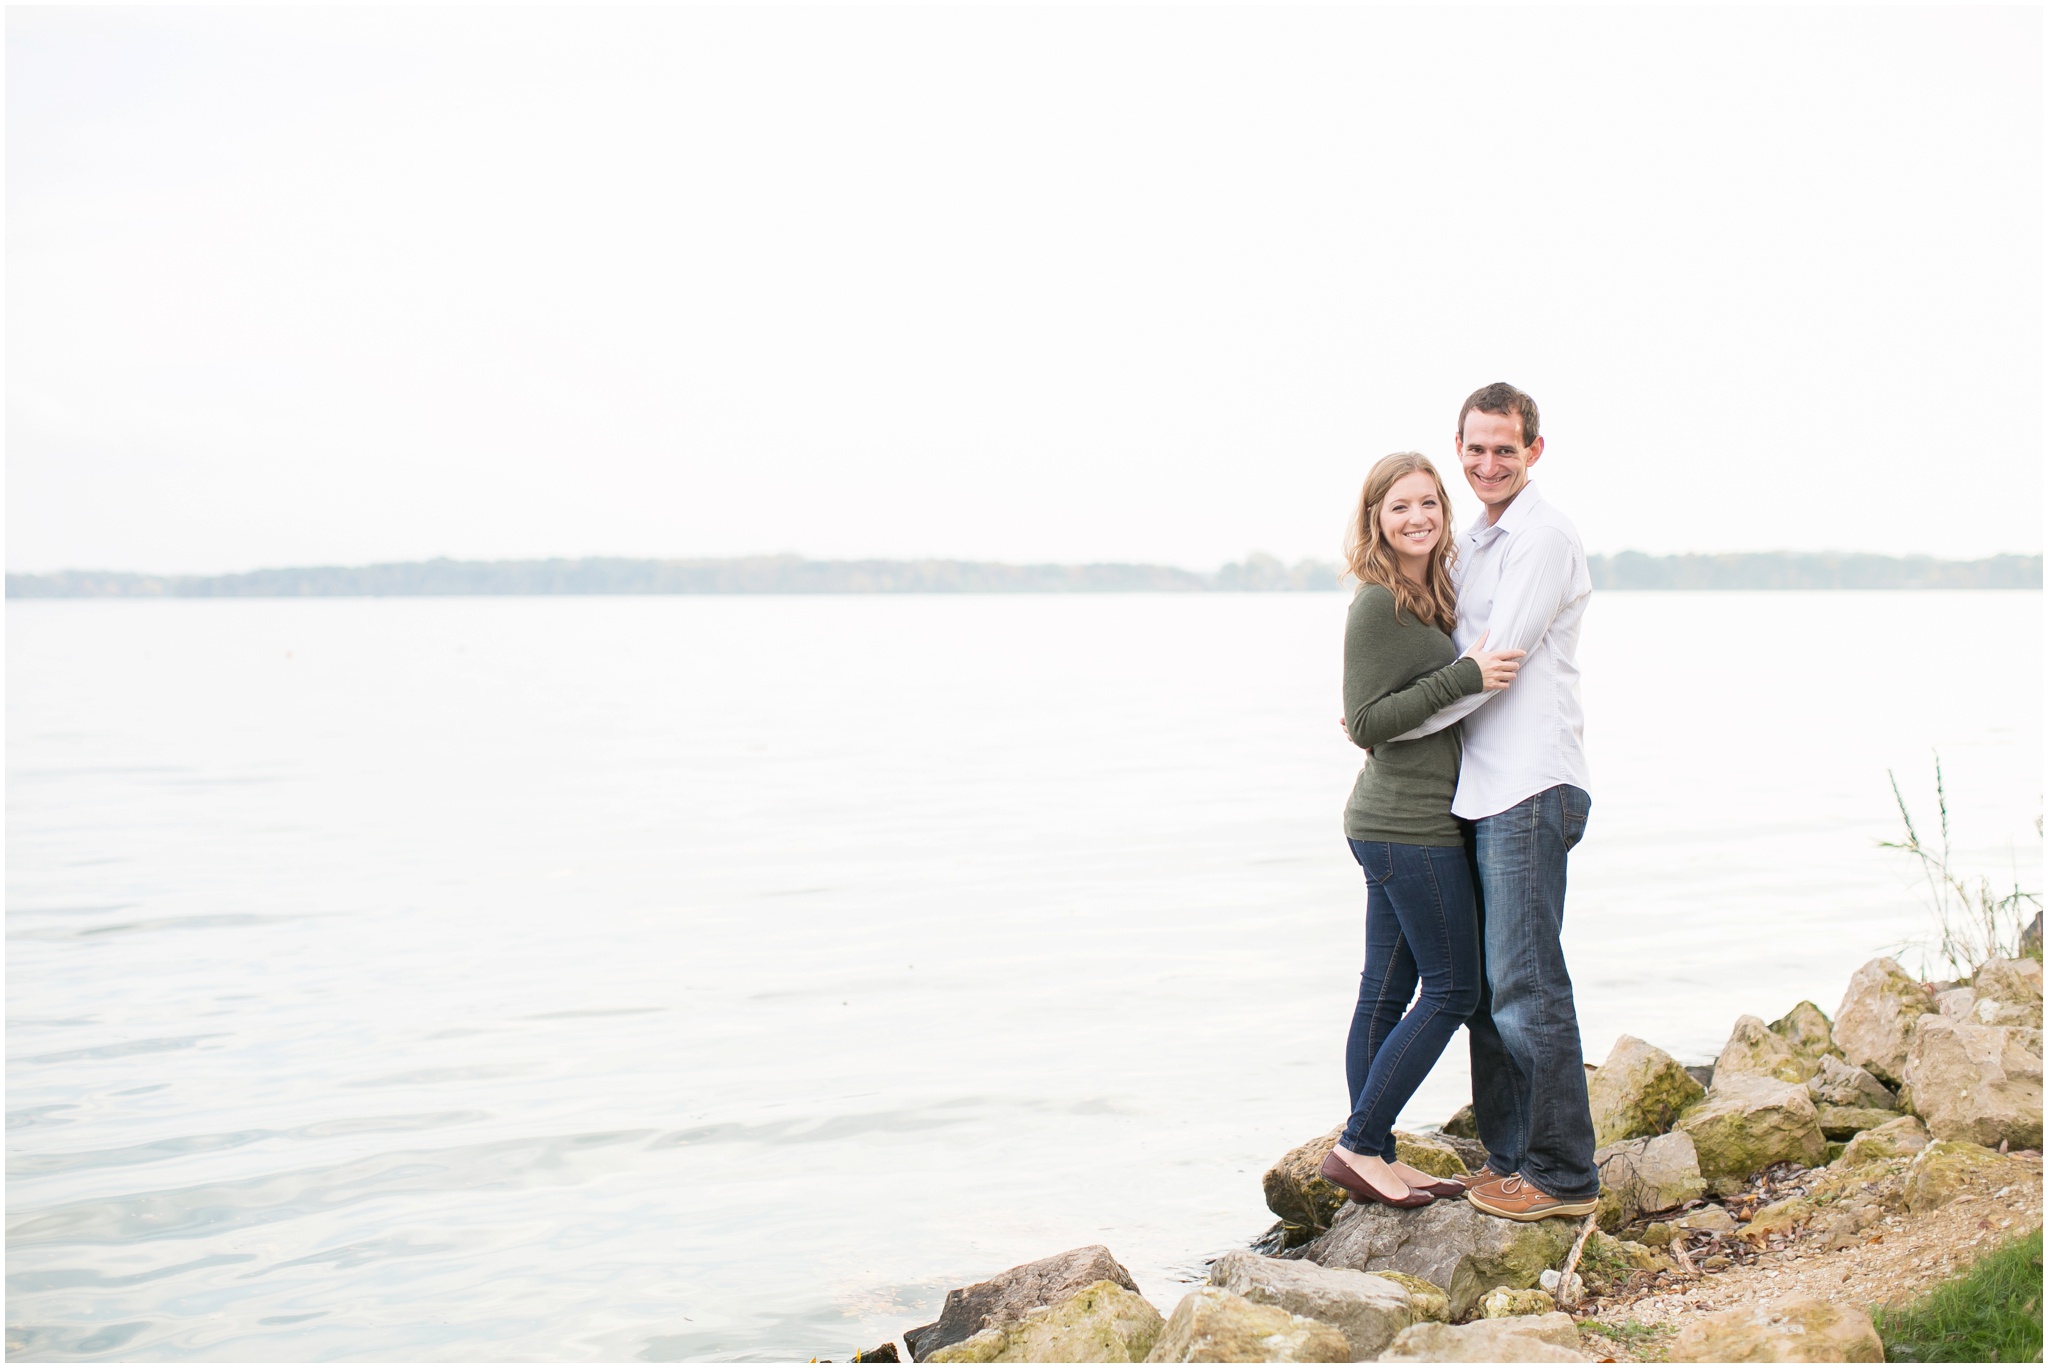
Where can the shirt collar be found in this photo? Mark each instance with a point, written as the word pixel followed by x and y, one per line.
pixel 1518 513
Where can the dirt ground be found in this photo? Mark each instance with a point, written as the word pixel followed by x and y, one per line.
pixel 1896 1259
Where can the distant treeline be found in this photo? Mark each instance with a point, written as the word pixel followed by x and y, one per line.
pixel 794 575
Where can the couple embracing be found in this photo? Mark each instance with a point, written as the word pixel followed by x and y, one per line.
pixel 1460 682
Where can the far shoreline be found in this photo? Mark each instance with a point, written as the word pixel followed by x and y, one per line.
pixel 1624 572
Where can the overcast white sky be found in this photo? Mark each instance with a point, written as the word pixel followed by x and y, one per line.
pixel 296 286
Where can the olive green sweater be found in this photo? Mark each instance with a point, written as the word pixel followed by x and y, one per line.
pixel 1397 672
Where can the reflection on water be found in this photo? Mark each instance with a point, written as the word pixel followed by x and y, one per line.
pixel 727 978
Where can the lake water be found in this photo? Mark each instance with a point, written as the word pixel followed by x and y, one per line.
pixel 727 978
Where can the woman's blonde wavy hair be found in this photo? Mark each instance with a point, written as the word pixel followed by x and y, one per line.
pixel 1369 560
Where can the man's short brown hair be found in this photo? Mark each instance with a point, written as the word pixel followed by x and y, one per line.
pixel 1502 398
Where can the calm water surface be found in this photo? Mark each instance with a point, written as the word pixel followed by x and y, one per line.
pixel 727 978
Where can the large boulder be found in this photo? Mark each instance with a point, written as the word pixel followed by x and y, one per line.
pixel 1975 1083
pixel 1747 1122
pixel 1754 1048
pixel 1640 1090
pixel 1640 1177
pixel 1895 1139
pixel 1214 1326
pixel 1100 1324
pixel 1836 1083
pixel 1552 1338
pixel 1874 1026
pixel 1014 1293
pixel 1296 1190
pixel 2012 990
pixel 1798 1330
pixel 1298 1194
pixel 1369 1309
pixel 1808 1031
pixel 1453 1244
pixel 1947 1169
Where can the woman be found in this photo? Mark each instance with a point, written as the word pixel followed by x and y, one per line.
pixel 1421 919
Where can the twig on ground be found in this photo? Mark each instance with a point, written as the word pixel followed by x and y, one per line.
pixel 1684 1259
pixel 1571 1263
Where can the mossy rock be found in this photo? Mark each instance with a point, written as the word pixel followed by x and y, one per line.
pixel 1516 1301
pixel 1753 1048
pixel 1747 1123
pixel 1639 1091
pixel 1947 1169
pixel 1428 1301
pixel 1900 1137
pixel 1845 1123
pixel 1808 1031
pixel 1104 1323
pixel 1431 1156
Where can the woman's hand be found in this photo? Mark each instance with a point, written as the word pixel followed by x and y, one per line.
pixel 1496 668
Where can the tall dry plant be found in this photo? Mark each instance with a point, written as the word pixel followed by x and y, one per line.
pixel 1975 922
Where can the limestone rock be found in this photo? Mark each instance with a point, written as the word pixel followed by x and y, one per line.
pixel 1296 1190
pixel 1453 1244
pixel 1841 1123
pixel 1710 1218
pixel 1639 1177
pixel 1798 1330
pixel 1808 1031
pixel 1840 1084
pixel 2013 987
pixel 1464 1123
pixel 1370 1310
pixel 1894 1139
pixel 1100 1324
pixel 1014 1293
pixel 1425 1298
pixel 1956 1003
pixel 1779 1218
pixel 1947 1169
pixel 1427 1153
pixel 1746 1123
pixel 1640 1090
pixel 1214 1326
pixel 1550 1338
pixel 1517 1301
pixel 1754 1048
pixel 1875 1024
pixel 1975 1083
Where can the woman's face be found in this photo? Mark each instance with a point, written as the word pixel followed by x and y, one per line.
pixel 1412 518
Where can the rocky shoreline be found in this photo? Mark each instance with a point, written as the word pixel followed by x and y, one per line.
pixel 1807 1145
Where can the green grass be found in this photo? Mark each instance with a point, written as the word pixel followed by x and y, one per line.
pixel 1991 1314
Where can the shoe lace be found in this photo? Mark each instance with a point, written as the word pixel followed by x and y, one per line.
pixel 1511 1185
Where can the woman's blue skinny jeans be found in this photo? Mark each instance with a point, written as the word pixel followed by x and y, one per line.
pixel 1421 921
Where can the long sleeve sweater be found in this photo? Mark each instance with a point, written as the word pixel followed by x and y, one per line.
pixel 1397 671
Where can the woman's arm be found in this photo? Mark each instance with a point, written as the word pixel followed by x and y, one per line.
pixel 1379 704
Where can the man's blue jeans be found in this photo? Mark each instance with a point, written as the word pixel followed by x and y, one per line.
pixel 1528 1071
pixel 1420 923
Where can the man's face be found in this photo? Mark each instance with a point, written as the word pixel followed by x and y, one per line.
pixel 1496 463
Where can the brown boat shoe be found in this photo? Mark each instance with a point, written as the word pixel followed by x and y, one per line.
pixel 1518 1199
pixel 1467 1181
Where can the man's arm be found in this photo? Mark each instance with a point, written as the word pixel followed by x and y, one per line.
pixel 1535 580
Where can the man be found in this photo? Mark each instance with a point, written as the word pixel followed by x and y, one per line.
pixel 1523 583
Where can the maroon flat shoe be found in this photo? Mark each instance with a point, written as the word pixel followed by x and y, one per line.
pixel 1353 1182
